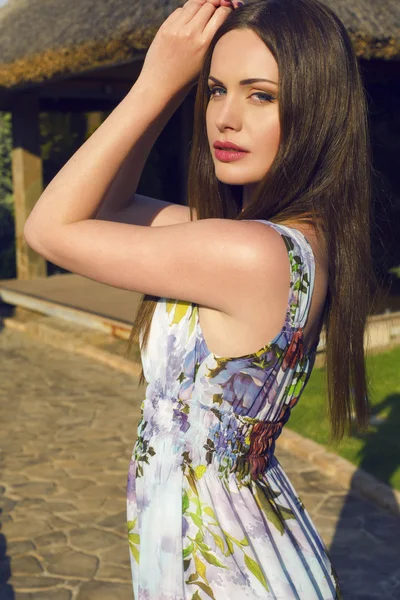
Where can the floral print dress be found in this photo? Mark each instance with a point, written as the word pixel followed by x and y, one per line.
pixel 211 512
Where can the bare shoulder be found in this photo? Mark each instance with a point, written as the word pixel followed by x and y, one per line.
pixel 258 305
pixel 268 271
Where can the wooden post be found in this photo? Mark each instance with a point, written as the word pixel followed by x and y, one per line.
pixel 94 119
pixel 27 180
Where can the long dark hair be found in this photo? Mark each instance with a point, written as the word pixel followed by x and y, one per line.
pixel 321 175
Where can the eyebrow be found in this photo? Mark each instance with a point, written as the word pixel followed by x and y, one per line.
pixel 245 81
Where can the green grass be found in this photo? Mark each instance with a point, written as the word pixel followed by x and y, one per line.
pixel 378 450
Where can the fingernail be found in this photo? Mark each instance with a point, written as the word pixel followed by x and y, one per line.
pixel 240 3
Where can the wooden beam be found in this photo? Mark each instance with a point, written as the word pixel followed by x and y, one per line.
pixel 27 180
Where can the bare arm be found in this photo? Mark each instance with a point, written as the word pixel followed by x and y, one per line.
pixel 120 194
pixel 151 212
pixel 90 175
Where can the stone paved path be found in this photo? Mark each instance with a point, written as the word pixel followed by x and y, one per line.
pixel 68 425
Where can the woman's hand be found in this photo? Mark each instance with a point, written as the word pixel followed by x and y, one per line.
pixel 175 56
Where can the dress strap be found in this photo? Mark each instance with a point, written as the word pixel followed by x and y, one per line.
pixel 302 271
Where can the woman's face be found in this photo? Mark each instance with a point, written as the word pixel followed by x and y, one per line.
pixel 243 114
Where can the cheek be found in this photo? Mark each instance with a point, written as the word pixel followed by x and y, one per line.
pixel 266 142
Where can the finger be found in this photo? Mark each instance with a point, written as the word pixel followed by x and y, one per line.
pixel 216 21
pixel 192 7
pixel 199 21
pixel 204 20
pixel 218 3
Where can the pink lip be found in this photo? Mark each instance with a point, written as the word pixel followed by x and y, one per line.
pixel 228 155
pixel 228 146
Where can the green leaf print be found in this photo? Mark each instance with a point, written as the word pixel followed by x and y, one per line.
pixel 255 569
pixel 274 513
pixel 196 519
pixel 134 550
pixel 200 470
pixel 288 241
pixel 199 537
pixel 181 308
pixel 200 568
pixel 219 542
pixel 212 559
pixel 229 537
pixel 303 288
pixel 229 544
pixel 133 539
pixel 196 596
pixel 131 524
pixel 185 501
pixel 205 588
pixel 187 551
pixel 186 563
pixel 209 511
pixel 218 398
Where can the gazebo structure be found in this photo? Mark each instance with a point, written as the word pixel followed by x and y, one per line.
pixel 85 55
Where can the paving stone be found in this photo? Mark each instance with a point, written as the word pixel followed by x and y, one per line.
pixel 96 590
pixel 17 548
pixel 90 538
pixel 7 518
pixel 60 507
pixel 100 491
pixel 77 484
pixel 25 528
pixel 60 594
pixel 117 521
pixel 69 562
pixel 87 518
pixel 114 572
pixel 33 488
pixel 7 505
pixel 117 555
pixel 89 504
pixel 56 538
pixel 22 582
pixel 26 564
pixel 58 523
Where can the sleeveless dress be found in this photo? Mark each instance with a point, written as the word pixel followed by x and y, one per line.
pixel 211 512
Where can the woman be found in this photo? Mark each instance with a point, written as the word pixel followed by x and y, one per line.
pixel 277 233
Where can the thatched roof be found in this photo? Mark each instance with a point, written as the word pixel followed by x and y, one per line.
pixel 41 39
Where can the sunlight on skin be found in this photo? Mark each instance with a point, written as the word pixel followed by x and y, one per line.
pixel 246 115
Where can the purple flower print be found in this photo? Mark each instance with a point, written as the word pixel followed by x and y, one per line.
pixel 131 487
pixel 182 419
pixel 185 526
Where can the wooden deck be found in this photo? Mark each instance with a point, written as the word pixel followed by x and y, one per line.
pixel 75 298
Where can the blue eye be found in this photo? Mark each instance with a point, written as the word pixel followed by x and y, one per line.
pixel 263 96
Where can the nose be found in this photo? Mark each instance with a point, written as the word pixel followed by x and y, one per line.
pixel 228 113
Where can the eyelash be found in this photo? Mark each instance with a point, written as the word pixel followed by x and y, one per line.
pixel 269 98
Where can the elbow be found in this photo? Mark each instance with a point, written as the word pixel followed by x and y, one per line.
pixel 31 238
pixel 27 234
